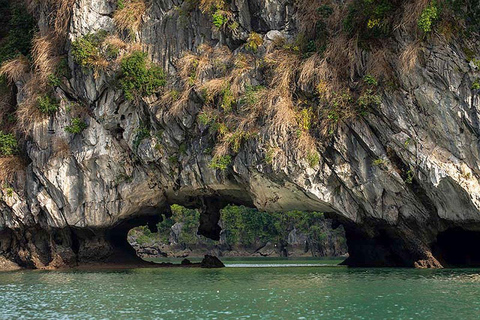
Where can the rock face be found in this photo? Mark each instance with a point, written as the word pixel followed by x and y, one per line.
pixel 403 179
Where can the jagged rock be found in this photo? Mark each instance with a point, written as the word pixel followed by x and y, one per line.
pixel 212 262
pixel 77 206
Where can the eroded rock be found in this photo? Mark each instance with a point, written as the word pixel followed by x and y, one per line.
pixel 396 178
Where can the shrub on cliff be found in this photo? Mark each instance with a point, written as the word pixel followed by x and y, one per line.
pixel 428 17
pixel 76 126
pixel 8 144
pixel 86 50
pixel 138 78
pixel 47 104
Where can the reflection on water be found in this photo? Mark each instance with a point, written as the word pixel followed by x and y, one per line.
pixel 239 293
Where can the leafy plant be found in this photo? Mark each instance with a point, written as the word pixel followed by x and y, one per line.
pixel 251 95
pixel 47 104
pixel 141 134
pixel 313 158
pixel 304 118
pixel 86 49
pixel 8 144
pixel 428 17
pixel 476 85
pixel 77 125
pixel 368 100
pixel 370 80
pixel 254 41
pixel 220 162
pixel 219 18
pixel 138 78
pixel 409 176
pixel 21 27
pixel 227 99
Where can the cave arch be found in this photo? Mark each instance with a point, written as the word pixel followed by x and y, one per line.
pixel 457 247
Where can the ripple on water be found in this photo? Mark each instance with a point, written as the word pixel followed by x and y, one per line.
pixel 304 292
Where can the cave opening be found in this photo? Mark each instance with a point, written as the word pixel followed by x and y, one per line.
pixel 457 247
pixel 232 231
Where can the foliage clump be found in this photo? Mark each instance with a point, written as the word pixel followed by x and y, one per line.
pixel 47 104
pixel 76 126
pixel 8 144
pixel 86 50
pixel 254 41
pixel 428 17
pixel 220 162
pixel 138 78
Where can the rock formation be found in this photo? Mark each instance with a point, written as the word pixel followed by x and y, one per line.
pixel 399 169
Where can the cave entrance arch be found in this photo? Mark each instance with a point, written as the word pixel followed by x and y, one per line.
pixel 457 247
pixel 233 230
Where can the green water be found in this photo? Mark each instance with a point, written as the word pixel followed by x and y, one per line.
pixel 312 292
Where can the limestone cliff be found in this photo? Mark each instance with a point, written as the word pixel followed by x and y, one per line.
pixel 277 105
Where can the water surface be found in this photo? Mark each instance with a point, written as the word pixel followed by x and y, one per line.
pixel 306 292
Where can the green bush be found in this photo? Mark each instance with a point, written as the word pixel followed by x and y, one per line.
pixel 139 79
pixel 227 99
pixel 47 104
pixel 242 226
pixel 428 17
pixel 370 19
pixel 8 144
pixel 251 95
pixel 368 100
pixel 313 158
pixel 86 50
pixel 370 80
pixel 254 41
pixel 219 18
pixel 77 125
pixel 476 85
pixel 220 162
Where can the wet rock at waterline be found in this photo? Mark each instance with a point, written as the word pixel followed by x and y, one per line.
pixel 399 172
pixel 211 262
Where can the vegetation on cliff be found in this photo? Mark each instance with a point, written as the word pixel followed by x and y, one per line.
pixel 291 102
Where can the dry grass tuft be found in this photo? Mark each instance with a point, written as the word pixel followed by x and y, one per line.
pixel 187 66
pixel 178 104
pixel 409 56
pixel 130 16
pixel 61 148
pixel 60 12
pixel 28 113
pixel 16 69
pixel 213 88
pixel 378 64
pixel 284 67
pixel 45 57
pixel 62 16
pixel 10 168
pixel 310 76
pixel 207 5
pixel 411 14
